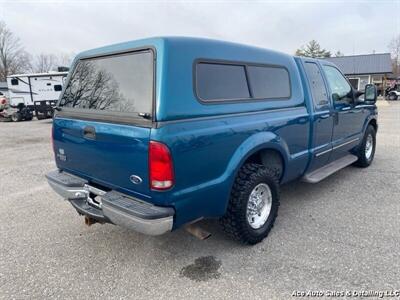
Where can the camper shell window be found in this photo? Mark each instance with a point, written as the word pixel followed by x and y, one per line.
pixel 269 82
pixel 233 81
pixel 14 81
pixel 57 87
pixel 219 81
pixel 119 83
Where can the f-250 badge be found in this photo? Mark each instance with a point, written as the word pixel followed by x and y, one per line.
pixel 61 154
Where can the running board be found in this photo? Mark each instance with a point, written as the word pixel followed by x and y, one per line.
pixel 329 169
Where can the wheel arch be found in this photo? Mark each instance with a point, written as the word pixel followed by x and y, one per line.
pixel 268 157
pixel 374 124
pixel 265 146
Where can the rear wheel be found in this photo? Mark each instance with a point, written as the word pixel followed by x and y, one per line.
pixel 392 96
pixel 16 117
pixel 253 205
pixel 366 151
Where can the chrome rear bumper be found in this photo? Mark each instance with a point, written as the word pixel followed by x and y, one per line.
pixel 112 207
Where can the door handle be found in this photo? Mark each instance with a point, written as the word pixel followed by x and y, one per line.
pixel 89 132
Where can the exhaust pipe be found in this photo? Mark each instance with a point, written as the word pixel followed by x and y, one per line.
pixel 90 221
pixel 197 231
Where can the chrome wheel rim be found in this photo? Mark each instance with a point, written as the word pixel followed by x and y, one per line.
pixel 369 145
pixel 259 205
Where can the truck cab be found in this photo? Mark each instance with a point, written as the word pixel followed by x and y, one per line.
pixel 158 133
pixel 339 113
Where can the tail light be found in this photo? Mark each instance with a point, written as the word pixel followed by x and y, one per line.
pixel 161 167
pixel 3 101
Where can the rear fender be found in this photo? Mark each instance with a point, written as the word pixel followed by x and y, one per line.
pixel 210 199
pixel 253 144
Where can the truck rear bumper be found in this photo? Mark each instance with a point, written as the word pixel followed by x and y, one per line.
pixel 111 206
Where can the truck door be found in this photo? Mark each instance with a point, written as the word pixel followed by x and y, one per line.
pixel 348 117
pixel 322 116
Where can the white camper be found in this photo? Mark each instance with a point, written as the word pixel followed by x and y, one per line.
pixel 38 92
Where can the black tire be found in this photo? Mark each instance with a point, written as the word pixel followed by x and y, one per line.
pixel 26 114
pixel 365 160
pixel 16 117
pixel 235 221
pixel 392 96
pixel 40 117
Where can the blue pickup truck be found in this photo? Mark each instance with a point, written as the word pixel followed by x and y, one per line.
pixel 157 133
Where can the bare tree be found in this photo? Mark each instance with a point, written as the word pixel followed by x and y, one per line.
pixel 394 48
pixel 92 87
pixel 65 59
pixel 43 63
pixel 13 57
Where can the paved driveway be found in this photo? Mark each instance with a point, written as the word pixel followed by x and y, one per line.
pixel 342 234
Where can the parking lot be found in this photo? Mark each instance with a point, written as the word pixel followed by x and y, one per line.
pixel 339 235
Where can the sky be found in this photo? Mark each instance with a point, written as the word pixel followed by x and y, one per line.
pixel 353 27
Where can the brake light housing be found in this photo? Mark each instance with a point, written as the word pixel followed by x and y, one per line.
pixel 161 168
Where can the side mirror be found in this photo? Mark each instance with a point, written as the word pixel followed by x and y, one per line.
pixel 370 93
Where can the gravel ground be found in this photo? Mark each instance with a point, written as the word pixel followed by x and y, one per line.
pixel 339 235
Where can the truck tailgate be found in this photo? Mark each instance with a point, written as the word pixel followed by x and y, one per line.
pixel 106 154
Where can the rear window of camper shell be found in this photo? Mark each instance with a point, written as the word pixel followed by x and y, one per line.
pixel 116 83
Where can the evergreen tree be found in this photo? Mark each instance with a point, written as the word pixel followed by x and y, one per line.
pixel 313 49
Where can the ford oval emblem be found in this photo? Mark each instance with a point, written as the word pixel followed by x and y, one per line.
pixel 135 179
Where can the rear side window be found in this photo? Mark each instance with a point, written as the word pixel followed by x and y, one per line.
pixel 117 83
pixel 14 81
pixel 317 85
pixel 225 82
pixel 269 82
pixel 219 82
pixel 57 87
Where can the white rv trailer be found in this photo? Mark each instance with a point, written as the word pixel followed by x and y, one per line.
pixel 39 92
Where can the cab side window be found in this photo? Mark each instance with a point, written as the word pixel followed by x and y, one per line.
pixel 342 93
pixel 318 91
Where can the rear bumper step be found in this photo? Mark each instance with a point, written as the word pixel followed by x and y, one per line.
pixel 111 207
